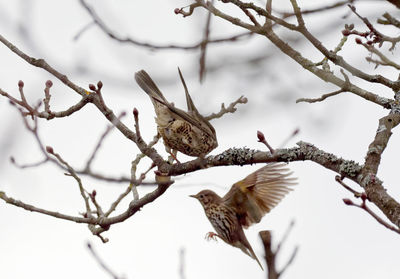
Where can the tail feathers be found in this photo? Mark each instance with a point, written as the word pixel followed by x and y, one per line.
pixel 253 255
pixel 193 110
pixel 249 251
pixel 147 84
pixel 245 246
pixel 189 102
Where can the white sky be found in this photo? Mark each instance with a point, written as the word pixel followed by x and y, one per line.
pixel 335 241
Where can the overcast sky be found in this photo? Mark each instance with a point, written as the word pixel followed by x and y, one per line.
pixel 334 240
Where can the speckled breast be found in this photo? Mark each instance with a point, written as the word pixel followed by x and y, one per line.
pixel 186 138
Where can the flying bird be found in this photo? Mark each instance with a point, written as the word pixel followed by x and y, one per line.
pixel 245 204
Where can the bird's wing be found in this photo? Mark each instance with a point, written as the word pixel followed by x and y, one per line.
pixel 259 192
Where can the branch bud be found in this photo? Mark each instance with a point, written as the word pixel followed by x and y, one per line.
pixel 20 83
pixel 364 196
pixel 49 149
pixel 260 136
pixel 99 85
pixel 358 41
pixel 348 201
pixel 345 32
pixel 92 87
pixel 135 113
pixel 49 83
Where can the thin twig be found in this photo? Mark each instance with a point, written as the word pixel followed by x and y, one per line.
pixel 29 207
pixel 319 9
pixel 99 22
pixel 364 206
pixel 29 165
pixel 285 236
pixel 345 88
pixel 101 262
pixel 182 274
pixel 230 109
pixel 340 181
pixel 99 143
pixel 47 97
pixel 290 137
pixel 384 60
pixel 75 176
pixel 389 20
pixel 379 37
pixel 203 47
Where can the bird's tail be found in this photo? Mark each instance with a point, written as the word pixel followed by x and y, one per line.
pixel 190 105
pixel 147 84
pixel 245 246
pixel 253 255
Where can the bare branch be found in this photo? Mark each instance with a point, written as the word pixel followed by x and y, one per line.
pixel 384 61
pixel 29 165
pixel 267 31
pixel 389 20
pixel 338 4
pixel 322 98
pixel 364 206
pixel 379 37
pixel 75 176
pixel 99 143
pixel 47 114
pixel 99 22
pixel 47 97
pixel 101 262
pixel 230 109
pixel 340 181
pixel 203 47
pixel 26 206
pixel 182 263
pixel 271 254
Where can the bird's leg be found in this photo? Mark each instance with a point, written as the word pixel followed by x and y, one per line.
pixel 173 154
pixel 212 235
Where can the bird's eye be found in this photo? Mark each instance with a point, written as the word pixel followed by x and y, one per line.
pixel 201 196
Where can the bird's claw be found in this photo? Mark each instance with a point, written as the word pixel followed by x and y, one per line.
pixel 211 235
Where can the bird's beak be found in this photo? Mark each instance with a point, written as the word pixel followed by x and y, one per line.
pixel 193 196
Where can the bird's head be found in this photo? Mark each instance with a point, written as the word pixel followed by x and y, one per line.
pixel 206 197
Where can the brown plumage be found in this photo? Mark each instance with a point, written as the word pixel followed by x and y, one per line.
pixel 246 203
pixel 188 132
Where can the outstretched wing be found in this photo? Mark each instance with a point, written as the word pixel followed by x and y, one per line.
pixel 259 192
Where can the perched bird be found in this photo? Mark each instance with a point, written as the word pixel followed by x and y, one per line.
pixel 187 132
pixel 245 204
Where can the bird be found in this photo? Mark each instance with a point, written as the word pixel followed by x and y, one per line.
pixel 245 204
pixel 187 132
